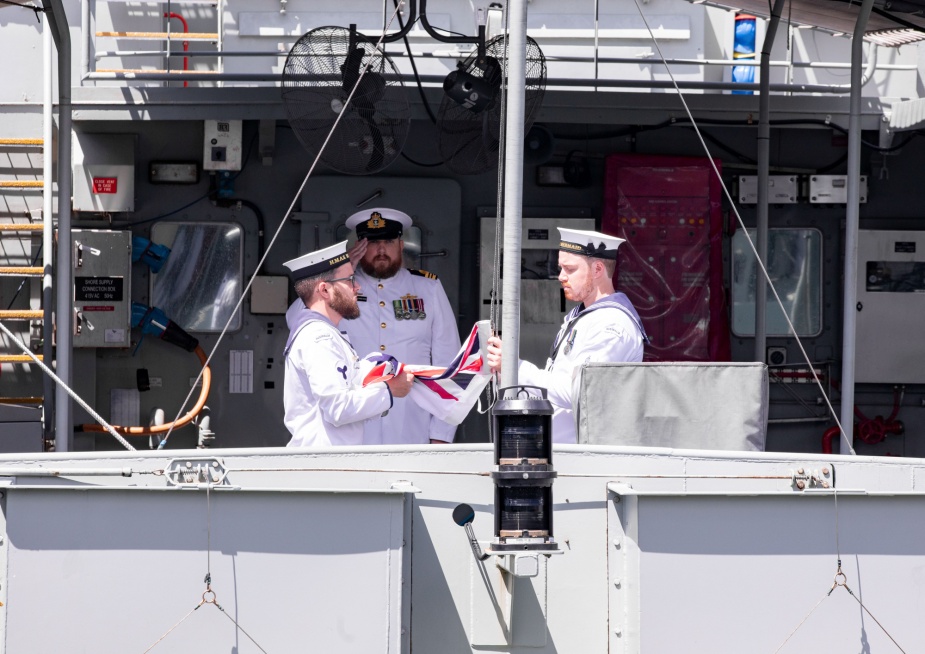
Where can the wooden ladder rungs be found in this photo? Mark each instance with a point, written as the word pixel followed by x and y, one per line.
pixel 18 358
pixel 22 141
pixel 21 227
pixel 172 36
pixel 20 314
pixel 22 271
pixel 21 183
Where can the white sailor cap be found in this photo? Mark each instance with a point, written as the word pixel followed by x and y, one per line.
pixel 589 244
pixel 318 262
pixel 379 224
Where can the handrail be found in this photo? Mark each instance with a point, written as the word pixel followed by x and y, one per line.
pixel 162 36
pixel 436 80
pixel 101 54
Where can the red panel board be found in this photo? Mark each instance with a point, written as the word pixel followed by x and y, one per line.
pixel 669 211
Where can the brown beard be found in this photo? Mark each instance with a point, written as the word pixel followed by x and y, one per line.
pixel 380 269
pixel 345 305
pixel 572 294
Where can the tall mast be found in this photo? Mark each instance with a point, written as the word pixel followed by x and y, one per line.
pixel 513 189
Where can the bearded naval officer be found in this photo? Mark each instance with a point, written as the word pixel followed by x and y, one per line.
pixel 325 403
pixel 404 312
pixel 603 327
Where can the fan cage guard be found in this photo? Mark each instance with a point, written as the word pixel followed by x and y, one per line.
pixel 469 142
pixel 315 86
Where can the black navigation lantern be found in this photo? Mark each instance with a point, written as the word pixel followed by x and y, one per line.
pixel 522 420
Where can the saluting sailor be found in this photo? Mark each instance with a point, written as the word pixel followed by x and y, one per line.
pixel 324 401
pixel 403 312
pixel 603 327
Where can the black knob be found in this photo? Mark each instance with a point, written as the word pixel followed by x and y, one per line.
pixel 463 515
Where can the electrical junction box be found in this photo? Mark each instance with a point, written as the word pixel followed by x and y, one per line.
pixel 270 294
pixel 104 172
pixel 833 189
pixel 221 147
pixel 891 303
pixel 782 189
pixel 102 288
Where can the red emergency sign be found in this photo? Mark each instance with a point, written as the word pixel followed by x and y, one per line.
pixel 105 185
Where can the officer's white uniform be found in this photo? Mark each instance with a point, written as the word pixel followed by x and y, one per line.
pixel 603 333
pixel 431 339
pixel 324 402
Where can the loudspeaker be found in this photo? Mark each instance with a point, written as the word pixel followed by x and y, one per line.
pixel 577 173
pixel 777 356
pixel 538 146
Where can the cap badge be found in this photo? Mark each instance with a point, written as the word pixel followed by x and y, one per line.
pixel 375 221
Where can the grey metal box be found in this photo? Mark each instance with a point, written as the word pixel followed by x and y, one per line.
pixel 782 189
pixel 102 290
pixel 104 172
pixel 833 189
pixel 270 294
pixel 890 306
pixel 221 148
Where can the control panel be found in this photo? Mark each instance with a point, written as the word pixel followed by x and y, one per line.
pixel 102 288
pixel 891 302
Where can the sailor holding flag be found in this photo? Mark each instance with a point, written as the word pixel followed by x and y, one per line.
pixel 330 393
pixel 603 327
pixel 324 401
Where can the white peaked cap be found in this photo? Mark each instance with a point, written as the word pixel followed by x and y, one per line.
pixel 589 244
pixel 318 262
pixel 379 223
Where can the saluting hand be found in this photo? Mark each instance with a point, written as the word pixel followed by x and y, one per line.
pixel 358 250
pixel 494 354
pixel 400 384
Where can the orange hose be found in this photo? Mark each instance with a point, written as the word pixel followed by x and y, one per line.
pixel 180 422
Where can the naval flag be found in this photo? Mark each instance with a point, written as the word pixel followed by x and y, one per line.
pixel 447 393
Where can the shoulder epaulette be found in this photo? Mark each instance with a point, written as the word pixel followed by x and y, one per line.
pixel 422 273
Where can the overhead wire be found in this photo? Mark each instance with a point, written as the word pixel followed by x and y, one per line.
pixel 420 87
pixel 680 121
pixel 414 68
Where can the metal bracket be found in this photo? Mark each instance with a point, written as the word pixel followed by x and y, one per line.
pixel 193 473
pixel 404 486
pixel 806 478
pixel 509 607
pixel 520 565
